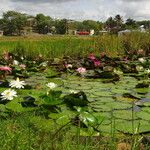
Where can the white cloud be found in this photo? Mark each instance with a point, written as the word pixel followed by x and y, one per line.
pixel 81 9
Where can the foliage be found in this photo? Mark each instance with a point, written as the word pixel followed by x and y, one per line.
pixel 13 22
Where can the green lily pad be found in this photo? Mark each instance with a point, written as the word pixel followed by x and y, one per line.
pixel 125 114
pixel 100 100
pixel 146 109
pixel 147 104
pixel 142 90
pixel 119 105
pixel 99 108
pixel 102 93
pixel 143 115
pixel 59 82
pixel 132 127
pixel 125 99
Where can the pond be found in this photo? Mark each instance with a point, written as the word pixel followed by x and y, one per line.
pixel 120 103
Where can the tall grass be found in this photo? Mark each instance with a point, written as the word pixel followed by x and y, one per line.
pixel 59 46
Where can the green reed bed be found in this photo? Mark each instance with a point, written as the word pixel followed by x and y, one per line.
pixel 59 46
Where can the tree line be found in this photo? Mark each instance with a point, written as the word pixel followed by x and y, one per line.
pixel 15 23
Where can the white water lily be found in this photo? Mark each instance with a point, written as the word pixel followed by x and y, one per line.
pixel 8 94
pixel 68 66
pixel 118 72
pixel 44 64
pixel 17 84
pixel 15 62
pixel 73 92
pixel 142 60
pixel 139 68
pixel 51 85
pixel 147 71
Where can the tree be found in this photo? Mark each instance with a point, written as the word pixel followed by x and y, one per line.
pixel 13 22
pixel 90 24
pixel 61 26
pixel 131 24
pixel 119 21
pixel 44 23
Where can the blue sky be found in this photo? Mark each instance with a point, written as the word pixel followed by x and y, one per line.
pixel 81 9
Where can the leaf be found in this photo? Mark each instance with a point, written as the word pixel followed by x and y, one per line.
pixel 2 108
pixel 125 114
pixel 88 119
pixel 46 125
pixel 63 120
pixel 143 115
pixel 132 127
pixel 15 106
pixel 78 99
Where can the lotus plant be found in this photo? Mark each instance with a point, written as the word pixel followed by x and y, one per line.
pixel 8 94
pixel 91 56
pixel 68 66
pixel 142 60
pixel 97 63
pixel 51 85
pixel 15 62
pixel 4 70
pixel 17 84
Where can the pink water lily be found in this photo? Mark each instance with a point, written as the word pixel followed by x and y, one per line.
pixel 22 66
pixel 97 63
pixel 81 70
pixel 5 68
pixel 91 56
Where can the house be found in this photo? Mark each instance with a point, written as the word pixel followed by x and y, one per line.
pixel 90 32
pixel 103 32
pixel 1 33
pixel 124 32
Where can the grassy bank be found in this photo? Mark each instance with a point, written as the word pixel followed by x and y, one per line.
pixel 59 46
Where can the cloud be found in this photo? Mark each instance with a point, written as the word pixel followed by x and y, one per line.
pixel 42 1
pixel 81 9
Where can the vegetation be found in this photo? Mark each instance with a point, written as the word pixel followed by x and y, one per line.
pixel 15 23
pixel 59 46
pixel 75 95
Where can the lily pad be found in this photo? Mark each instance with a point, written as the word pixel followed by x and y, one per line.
pixel 102 93
pixel 125 114
pixel 143 115
pixel 146 109
pixel 119 105
pixel 132 127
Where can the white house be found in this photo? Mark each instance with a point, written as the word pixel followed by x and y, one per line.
pixel 1 33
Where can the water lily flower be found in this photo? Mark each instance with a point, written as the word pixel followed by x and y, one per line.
pixel 139 68
pixel 17 84
pixel 118 72
pixel 91 56
pixel 8 94
pixel 68 66
pixel 81 70
pixel 97 63
pixel 22 66
pixel 5 68
pixel 44 64
pixel 142 60
pixel 147 71
pixel 51 85
pixel 15 62
pixel 73 92
pixel 22 58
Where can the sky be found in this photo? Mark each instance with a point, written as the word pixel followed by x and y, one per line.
pixel 98 10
